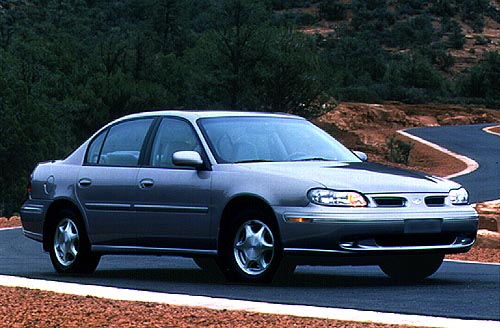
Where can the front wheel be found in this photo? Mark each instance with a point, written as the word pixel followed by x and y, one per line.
pixel 251 248
pixel 70 249
pixel 412 268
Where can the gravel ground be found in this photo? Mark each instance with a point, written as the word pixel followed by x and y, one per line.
pixel 46 309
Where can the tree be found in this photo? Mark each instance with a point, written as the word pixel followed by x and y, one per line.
pixel 456 38
pixel 412 78
pixel 220 65
pixel 238 25
pixel 333 10
pixel 483 79
pixel 472 11
pixel 288 78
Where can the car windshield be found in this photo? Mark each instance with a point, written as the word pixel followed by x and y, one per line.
pixel 270 139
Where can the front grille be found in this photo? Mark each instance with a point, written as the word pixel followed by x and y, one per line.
pixel 434 201
pixel 390 201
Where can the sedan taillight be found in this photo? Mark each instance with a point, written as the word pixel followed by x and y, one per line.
pixel 28 187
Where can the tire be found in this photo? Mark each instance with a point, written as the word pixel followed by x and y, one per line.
pixel 251 249
pixel 412 268
pixel 70 247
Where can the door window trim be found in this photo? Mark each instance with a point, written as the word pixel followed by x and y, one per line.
pixel 142 150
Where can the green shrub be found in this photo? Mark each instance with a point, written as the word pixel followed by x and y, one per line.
pixel 287 4
pixel 399 150
pixel 481 41
pixel 333 10
pixel 457 38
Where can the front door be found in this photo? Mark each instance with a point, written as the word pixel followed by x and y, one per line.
pixel 173 203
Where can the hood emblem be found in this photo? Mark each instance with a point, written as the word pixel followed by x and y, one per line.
pixel 417 201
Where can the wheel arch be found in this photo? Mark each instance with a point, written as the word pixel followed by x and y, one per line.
pixel 50 219
pixel 242 202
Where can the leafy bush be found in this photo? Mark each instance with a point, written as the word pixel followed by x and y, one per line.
pixel 443 8
pixel 472 11
pixel 411 7
pixel 360 93
pixel 481 41
pixel 456 38
pixel 287 4
pixel 494 13
pixel 418 31
pixel 399 150
pixel 333 10
pixel 296 19
pixel 483 79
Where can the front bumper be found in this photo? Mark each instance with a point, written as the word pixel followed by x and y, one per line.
pixel 376 231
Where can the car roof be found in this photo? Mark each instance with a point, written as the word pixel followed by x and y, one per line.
pixel 196 114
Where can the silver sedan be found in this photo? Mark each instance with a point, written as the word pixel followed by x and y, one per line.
pixel 251 194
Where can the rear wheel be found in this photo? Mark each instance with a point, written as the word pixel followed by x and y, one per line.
pixel 412 268
pixel 70 249
pixel 251 249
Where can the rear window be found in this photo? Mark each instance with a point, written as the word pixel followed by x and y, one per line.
pixel 120 145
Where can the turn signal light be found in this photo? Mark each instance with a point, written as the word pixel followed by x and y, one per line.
pixel 299 220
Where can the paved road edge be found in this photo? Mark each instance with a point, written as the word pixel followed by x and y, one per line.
pixel 472 165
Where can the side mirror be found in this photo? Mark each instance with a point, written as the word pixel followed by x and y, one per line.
pixel 362 156
pixel 187 158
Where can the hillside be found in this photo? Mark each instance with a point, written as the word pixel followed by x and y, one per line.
pixel 464 30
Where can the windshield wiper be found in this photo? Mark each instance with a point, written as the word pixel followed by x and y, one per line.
pixel 312 159
pixel 253 161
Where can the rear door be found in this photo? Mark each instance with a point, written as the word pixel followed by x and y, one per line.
pixel 107 182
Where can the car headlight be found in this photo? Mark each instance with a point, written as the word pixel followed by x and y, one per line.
pixel 328 197
pixel 459 196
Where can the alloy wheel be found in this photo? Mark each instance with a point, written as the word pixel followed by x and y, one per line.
pixel 254 247
pixel 66 242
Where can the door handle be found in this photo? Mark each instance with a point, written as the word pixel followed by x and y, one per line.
pixel 146 183
pixel 85 182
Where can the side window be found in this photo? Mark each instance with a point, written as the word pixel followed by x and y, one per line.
pixel 173 135
pixel 123 143
pixel 95 148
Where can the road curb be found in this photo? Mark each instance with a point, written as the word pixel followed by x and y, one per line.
pixel 470 262
pixel 472 165
pixel 489 128
pixel 236 305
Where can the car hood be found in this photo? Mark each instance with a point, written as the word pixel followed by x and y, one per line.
pixel 364 177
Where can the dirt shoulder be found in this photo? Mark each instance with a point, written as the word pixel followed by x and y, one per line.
pixel 45 309
pixel 11 222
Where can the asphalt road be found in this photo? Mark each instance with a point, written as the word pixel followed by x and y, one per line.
pixel 456 290
pixel 469 140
